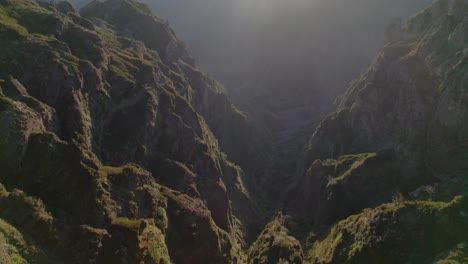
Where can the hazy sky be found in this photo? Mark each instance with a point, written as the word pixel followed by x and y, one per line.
pixel 309 49
pixel 217 31
pixel 285 61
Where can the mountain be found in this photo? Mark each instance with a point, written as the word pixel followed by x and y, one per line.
pixel 116 148
pixel 284 62
pixel 267 52
pixel 107 151
pixel 383 179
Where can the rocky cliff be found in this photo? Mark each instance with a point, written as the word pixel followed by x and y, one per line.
pixel 108 147
pixel 116 148
pixel 397 138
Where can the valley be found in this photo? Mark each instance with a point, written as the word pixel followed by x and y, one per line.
pixel 116 147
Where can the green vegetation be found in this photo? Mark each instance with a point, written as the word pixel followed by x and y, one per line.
pixel 13 247
pixel 38 21
pixel 5 103
pixel 134 225
pixel 123 116
pixel 142 237
pixel 352 162
pixel 25 234
pixel 105 171
pixel 155 247
pixel 9 27
pixel 80 81
pixel 274 245
pixel 161 220
pixel 454 256
pixel 20 18
pixel 351 240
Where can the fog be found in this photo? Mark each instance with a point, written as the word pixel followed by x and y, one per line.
pixel 284 61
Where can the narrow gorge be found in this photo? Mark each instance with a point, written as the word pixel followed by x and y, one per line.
pixel 115 147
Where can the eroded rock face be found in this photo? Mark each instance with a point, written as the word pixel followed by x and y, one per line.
pixel 401 105
pixel 274 245
pixel 332 189
pixel 96 113
pixel 112 147
pixel 408 231
pixel 136 21
pixel 398 128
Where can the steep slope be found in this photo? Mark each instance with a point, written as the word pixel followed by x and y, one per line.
pixel 417 232
pixel 274 245
pixel 409 105
pixel 113 149
pixel 288 78
pixel 106 146
pixel 399 131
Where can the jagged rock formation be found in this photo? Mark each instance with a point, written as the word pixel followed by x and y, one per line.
pixel 288 78
pixel 274 245
pixel 410 101
pixel 400 126
pixel 403 232
pixel 115 148
pixel 98 112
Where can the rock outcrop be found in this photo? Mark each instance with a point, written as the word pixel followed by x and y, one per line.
pixel 410 102
pixel 399 131
pixel 105 119
pixel 415 232
pixel 274 245
pixel 115 148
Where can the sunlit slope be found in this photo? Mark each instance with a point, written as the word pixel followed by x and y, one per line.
pixel 106 146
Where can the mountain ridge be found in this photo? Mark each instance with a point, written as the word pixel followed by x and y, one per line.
pixel 81 86
pixel 115 147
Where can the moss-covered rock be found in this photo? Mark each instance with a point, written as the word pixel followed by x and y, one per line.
pixel 394 233
pixel 92 114
pixel 275 246
pixel 112 146
pixel 193 236
pixel 333 189
pixel 402 100
pixel 410 102
pixel 135 241
pixel 16 248
pixel 17 123
pixel 27 231
pixel 132 16
pixel 458 254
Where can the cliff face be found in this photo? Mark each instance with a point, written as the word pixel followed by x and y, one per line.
pixel 274 245
pixel 407 91
pixel 115 148
pixel 96 113
pixel 288 78
pixel 410 103
pixel 399 131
